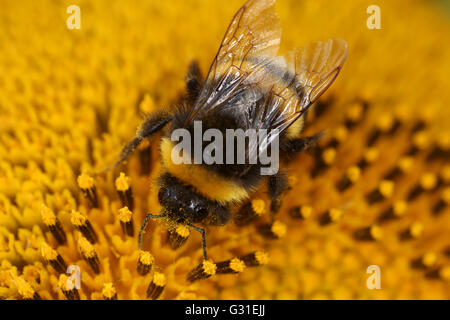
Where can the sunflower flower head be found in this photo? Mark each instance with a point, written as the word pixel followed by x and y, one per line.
pixel 375 191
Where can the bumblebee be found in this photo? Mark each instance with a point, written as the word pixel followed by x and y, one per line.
pixel 248 86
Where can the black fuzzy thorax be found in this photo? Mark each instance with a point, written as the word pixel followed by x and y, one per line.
pixel 247 175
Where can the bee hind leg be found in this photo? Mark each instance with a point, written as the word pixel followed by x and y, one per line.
pixel 291 148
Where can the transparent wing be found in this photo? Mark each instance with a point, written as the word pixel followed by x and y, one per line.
pixel 309 73
pixel 263 90
pixel 249 47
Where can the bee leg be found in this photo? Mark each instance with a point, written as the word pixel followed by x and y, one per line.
pixel 144 225
pixel 277 185
pixel 293 147
pixel 203 233
pixel 154 123
pixel 194 82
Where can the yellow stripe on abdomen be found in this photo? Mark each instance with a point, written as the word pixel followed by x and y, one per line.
pixel 207 183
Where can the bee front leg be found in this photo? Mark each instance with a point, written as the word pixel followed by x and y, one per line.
pixel 144 225
pixel 203 233
pixel 153 124
pixel 194 81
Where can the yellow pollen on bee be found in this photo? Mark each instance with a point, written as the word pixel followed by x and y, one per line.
pixel 182 231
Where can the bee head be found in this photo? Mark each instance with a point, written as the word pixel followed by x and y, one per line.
pixel 182 204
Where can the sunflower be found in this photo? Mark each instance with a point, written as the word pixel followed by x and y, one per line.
pixel 373 193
